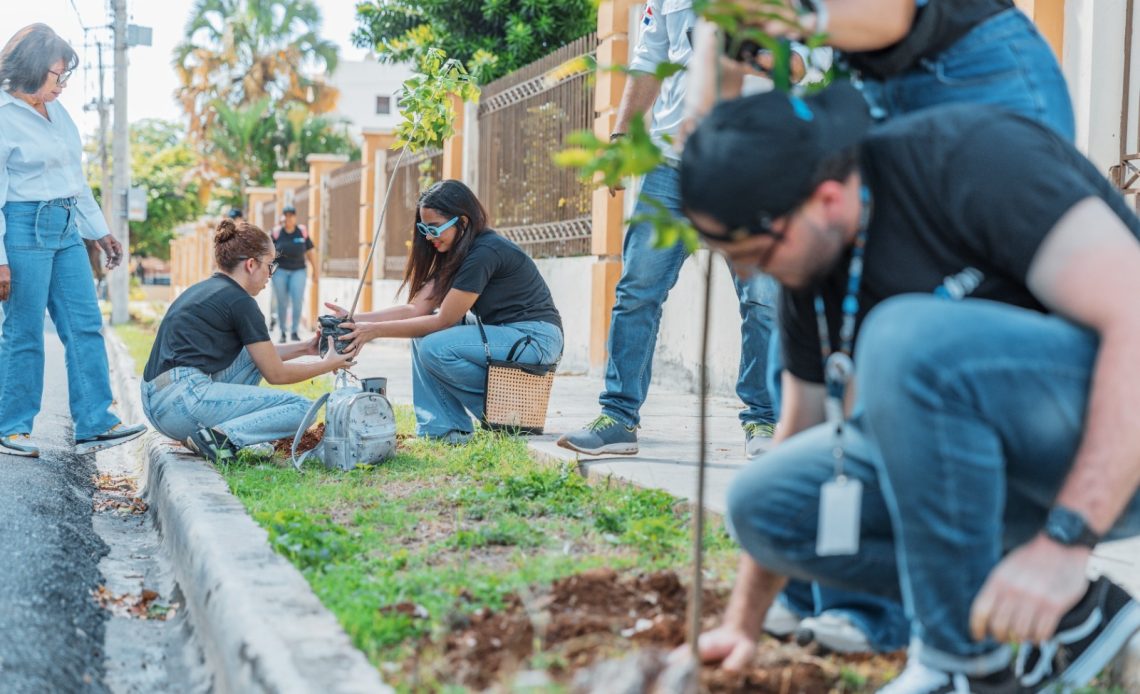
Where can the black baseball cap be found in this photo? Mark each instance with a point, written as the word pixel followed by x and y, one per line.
pixel 235 213
pixel 289 209
pixel 752 160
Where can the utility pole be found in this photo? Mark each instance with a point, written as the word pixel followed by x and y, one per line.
pixel 104 160
pixel 121 174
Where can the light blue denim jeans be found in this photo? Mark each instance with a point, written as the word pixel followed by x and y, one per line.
pixel 969 417
pixel 289 294
pixel 449 370
pixel 230 401
pixel 1002 62
pixel 50 270
pixel 648 274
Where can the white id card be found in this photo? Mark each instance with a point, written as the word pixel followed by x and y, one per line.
pixel 840 501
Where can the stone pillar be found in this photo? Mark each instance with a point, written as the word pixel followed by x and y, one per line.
pixel 1094 68
pixel 285 184
pixel 376 143
pixel 1049 16
pixel 255 198
pixel 453 146
pixel 607 218
pixel 320 165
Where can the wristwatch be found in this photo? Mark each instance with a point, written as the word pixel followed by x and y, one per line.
pixel 614 137
pixel 1069 528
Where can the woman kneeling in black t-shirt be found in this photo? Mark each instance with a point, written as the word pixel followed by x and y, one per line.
pixel 458 264
pixel 212 350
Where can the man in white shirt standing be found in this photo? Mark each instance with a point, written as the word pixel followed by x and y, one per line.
pixel 648 273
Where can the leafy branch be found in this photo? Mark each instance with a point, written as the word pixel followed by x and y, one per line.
pixel 427 100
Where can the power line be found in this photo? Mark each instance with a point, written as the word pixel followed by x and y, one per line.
pixel 78 16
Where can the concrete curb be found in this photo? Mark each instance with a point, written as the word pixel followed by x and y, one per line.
pixel 258 622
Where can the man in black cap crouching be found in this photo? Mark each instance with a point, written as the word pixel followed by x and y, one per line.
pixel 959 301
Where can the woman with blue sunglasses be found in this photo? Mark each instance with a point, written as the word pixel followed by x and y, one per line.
pixel 458 264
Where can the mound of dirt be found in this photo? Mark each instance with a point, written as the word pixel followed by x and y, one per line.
pixel 308 442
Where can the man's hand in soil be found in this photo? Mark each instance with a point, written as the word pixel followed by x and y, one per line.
pixel 729 646
pixel 1029 591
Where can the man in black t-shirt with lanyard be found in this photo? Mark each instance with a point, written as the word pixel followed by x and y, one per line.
pixel 987 446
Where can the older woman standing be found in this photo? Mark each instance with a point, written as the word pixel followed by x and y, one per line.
pixel 46 210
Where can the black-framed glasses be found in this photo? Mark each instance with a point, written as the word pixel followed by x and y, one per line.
pixel 271 265
pixel 61 78
pixel 435 232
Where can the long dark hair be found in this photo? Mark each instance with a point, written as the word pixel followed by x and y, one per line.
pixel 28 56
pixel 450 198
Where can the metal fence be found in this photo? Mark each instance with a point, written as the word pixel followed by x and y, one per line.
pixel 301 202
pixel 400 219
pixel 340 233
pixel 524 119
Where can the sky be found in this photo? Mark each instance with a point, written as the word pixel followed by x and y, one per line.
pixel 151 80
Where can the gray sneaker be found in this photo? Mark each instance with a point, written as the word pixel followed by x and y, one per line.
pixel 603 436
pixel 757 438
pixel 19 444
pixel 835 632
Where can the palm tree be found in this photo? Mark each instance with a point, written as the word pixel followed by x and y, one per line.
pixel 238 52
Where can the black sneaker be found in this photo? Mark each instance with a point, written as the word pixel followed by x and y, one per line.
pixel 1087 639
pixel 281 339
pixel 920 679
pixel 112 437
pixel 212 445
pixel 294 337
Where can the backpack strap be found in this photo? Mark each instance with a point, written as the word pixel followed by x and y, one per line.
pixel 304 231
pixel 305 423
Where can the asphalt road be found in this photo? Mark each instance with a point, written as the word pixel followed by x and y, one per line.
pixel 51 631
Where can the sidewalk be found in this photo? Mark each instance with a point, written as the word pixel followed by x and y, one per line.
pixel 668 442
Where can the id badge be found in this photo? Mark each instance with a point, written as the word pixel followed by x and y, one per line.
pixel 840 502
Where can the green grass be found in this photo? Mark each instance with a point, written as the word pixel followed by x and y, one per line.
pixel 455 529
pixel 138 339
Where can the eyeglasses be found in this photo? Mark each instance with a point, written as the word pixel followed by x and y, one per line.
pixel 435 232
pixel 61 78
pixel 271 265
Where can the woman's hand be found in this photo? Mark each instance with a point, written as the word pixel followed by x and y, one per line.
pixel 339 360
pixel 5 282
pixel 338 311
pixel 361 333
pixel 113 249
pixel 313 346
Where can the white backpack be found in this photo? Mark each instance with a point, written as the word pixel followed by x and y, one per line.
pixel 360 426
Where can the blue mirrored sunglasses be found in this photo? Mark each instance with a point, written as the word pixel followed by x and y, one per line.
pixel 435 232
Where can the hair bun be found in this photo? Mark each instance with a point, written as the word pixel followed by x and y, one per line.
pixel 226 231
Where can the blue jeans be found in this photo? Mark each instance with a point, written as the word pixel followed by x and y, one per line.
pixel 230 401
pixel 647 276
pixel 449 370
pixel 1002 62
pixel 968 419
pixel 50 270
pixel 289 292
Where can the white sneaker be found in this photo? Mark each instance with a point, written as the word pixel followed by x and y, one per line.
pixel 780 621
pixel 19 444
pixel 835 632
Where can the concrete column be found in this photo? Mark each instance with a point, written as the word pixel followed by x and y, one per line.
pixel 471 146
pixel 607 219
pixel 376 143
pixel 453 146
pixel 1049 16
pixel 320 165
pixel 285 184
pixel 254 199
pixel 1094 68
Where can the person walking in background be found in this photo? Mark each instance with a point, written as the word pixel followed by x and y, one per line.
pixel 47 210
pixel 201 383
pixel 459 264
pixel 294 249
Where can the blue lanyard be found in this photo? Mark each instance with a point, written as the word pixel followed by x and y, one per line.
pixel 838 366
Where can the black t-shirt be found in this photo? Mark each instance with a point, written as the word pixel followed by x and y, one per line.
pixel 508 283
pixel 206 328
pixel 937 25
pixel 963 196
pixel 291 248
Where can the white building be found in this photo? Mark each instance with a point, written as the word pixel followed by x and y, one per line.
pixel 368 92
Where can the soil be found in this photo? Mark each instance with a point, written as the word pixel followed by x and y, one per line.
pixel 308 442
pixel 579 622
